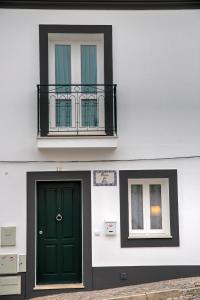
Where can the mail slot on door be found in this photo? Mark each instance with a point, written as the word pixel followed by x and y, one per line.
pixel 110 227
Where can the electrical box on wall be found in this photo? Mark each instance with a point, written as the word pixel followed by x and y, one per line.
pixel 8 264
pixel 8 236
pixel 22 263
pixel 110 227
pixel 10 285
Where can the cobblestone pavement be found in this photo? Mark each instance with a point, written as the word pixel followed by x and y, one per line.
pixel 190 290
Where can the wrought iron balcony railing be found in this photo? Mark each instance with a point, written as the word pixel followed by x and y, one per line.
pixel 77 110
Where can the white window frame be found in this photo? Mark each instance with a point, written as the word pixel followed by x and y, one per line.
pixel 75 41
pixel 147 232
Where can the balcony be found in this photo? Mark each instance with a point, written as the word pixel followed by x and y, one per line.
pixel 77 116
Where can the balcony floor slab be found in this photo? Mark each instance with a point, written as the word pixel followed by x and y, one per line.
pixel 97 142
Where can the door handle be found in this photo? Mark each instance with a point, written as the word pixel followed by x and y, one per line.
pixel 40 232
pixel 59 217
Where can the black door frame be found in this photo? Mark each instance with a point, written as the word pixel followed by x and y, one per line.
pixel 32 178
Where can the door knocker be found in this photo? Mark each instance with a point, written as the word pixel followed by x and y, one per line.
pixel 59 217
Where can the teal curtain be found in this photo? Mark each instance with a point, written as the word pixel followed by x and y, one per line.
pixel 89 112
pixel 88 67
pixel 63 113
pixel 89 76
pixel 63 67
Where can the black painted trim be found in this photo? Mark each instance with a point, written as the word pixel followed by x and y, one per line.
pixel 106 30
pixel 173 198
pixel 32 179
pixel 101 4
pixel 23 288
pixel 44 101
pixel 110 277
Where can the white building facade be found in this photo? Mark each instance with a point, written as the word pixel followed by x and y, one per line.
pixel 99 158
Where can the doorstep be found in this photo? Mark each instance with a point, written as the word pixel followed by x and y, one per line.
pixel 59 286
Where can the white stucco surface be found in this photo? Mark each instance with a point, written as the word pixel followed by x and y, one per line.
pixel 155 65
pixel 105 206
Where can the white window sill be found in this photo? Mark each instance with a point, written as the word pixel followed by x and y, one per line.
pixel 78 142
pixel 150 236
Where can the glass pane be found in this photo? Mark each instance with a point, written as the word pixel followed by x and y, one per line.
pixel 63 67
pixel 137 206
pixel 155 206
pixel 89 112
pixel 88 67
pixel 63 113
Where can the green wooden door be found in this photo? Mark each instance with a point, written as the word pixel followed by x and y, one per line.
pixel 59 254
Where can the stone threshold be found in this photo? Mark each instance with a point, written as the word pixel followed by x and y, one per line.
pixel 59 286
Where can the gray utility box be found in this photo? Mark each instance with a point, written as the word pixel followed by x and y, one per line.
pixel 22 263
pixel 10 285
pixel 8 236
pixel 8 264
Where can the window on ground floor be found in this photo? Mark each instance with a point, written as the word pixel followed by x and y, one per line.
pixel 149 208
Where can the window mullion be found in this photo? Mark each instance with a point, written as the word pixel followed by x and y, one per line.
pixel 75 62
pixel 146 203
pixel 76 79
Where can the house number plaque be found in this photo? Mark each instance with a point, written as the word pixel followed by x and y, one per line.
pixel 105 178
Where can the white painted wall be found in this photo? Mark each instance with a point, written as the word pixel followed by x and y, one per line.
pixel 155 64
pixel 157 68
pixel 105 206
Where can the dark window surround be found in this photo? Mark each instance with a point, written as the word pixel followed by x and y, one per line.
pixel 173 200
pixel 101 4
pixel 106 30
pixel 32 178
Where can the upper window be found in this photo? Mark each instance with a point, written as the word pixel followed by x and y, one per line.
pixel 149 208
pixel 76 59
pixel 76 67
pixel 76 95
